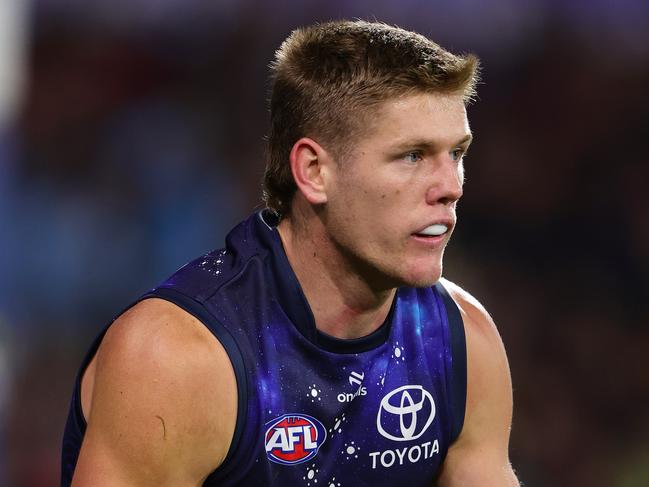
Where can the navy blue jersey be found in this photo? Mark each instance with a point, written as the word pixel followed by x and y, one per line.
pixel 314 410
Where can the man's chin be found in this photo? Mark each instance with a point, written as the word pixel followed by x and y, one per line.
pixel 418 273
pixel 422 283
pixel 423 278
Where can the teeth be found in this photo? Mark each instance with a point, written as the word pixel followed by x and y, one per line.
pixel 434 230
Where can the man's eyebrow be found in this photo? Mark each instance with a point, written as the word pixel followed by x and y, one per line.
pixel 429 144
pixel 466 139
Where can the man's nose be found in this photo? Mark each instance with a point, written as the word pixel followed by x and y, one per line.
pixel 447 182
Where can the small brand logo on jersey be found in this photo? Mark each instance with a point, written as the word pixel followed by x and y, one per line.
pixel 405 413
pixel 356 379
pixel 294 438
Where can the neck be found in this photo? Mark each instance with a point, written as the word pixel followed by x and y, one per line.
pixel 344 304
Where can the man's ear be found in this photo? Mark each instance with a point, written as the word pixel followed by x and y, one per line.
pixel 310 164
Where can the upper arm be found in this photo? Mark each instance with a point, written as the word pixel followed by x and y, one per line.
pixel 480 454
pixel 163 403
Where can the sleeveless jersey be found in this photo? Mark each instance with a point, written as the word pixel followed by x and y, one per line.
pixel 314 410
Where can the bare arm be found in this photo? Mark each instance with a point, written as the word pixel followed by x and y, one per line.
pixel 480 455
pixel 163 402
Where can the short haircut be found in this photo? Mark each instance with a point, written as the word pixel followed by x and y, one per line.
pixel 326 78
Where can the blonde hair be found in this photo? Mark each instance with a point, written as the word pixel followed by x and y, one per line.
pixel 327 77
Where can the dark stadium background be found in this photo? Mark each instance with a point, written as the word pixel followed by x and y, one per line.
pixel 131 139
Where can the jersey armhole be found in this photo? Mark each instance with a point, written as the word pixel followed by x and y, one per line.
pixel 458 378
pixel 197 309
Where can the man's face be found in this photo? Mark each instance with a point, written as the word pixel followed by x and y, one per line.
pixel 391 202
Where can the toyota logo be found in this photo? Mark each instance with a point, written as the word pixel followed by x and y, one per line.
pixel 413 406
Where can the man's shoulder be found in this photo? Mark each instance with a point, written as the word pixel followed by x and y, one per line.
pixel 486 356
pixel 156 340
pixel 157 375
pixel 157 326
pixel 475 316
pixel 481 449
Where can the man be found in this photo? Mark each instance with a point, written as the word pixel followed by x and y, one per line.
pixel 320 346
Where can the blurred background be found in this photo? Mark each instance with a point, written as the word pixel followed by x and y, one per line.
pixel 131 140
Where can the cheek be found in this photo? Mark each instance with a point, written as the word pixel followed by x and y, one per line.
pixel 375 199
pixel 387 197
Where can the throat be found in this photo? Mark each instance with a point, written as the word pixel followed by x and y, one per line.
pixel 347 323
pixel 343 304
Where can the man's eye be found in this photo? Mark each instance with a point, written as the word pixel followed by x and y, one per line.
pixel 413 157
pixel 457 154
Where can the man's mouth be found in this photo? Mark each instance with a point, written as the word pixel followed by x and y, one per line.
pixel 434 230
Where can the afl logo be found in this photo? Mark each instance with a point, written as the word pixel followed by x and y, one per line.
pixel 294 438
pixel 405 413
